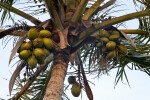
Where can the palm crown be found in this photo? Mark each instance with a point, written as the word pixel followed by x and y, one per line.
pixel 81 33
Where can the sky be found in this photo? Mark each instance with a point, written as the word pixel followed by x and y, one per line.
pixel 104 85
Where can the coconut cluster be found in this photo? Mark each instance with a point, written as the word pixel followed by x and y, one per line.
pixel 108 43
pixel 37 48
pixel 76 88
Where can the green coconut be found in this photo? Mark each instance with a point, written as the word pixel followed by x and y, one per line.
pixel 114 37
pixel 76 89
pixel 111 45
pixel 99 44
pixel 24 54
pixel 38 42
pixel 122 49
pixel 32 61
pixel 115 33
pixel 71 79
pixel 39 53
pixel 111 54
pixel 48 43
pixel 45 33
pixel 104 40
pixel 26 46
pixel 40 60
pixel 103 33
pixel 47 52
pixel 32 34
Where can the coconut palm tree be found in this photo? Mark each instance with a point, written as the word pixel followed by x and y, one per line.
pixel 81 34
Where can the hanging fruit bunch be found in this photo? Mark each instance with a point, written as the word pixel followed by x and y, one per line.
pixel 109 44
pixel 37 48
pixel 76 88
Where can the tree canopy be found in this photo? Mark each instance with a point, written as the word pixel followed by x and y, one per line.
pixel 79 33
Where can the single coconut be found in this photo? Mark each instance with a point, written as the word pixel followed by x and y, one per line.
pixel 45 33
pixel 115 33
pixel 111 45
pixel 114 37
pixel 76 89
pixel 48 43
pixel 40 60
pixel 103 33
pixel 32 61
pixel 24 54
pixel 71 79
pixel 104 40
pixel 122 49
pixel 39 53
pixel 32 33
pixel 47 52
pixel 99 44
pixel 111 54
pixel 26 46
pixel 38 42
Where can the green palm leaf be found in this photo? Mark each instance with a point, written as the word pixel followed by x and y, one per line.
pixel 6 13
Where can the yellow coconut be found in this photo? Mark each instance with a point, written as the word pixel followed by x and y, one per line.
pixel 115 33
pixel 48 43
pixel 103 33
pixel 32 33
pixel 114 37
pixel 122 49
pixel 111 45
pixel 111 54
pixel 104 40
pixel 26 46
pixel 47 52
pixel 39 53
pixel 71 79
pixel 38 42
pixel 24 54
pixel 32 61
pixel 45 33
pixel 76 89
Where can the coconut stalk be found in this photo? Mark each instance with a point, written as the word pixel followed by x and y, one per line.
pixel 55 86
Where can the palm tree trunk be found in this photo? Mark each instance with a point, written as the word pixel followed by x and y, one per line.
pixel 55 86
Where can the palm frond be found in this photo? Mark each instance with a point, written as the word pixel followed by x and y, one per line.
pixel 144 22
pixel 6 13
pixel 144 25
pixel 37 82
pixel 40 84
pixel 16 28
pixel 144 3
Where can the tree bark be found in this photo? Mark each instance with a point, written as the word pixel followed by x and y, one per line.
pixel 55 86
